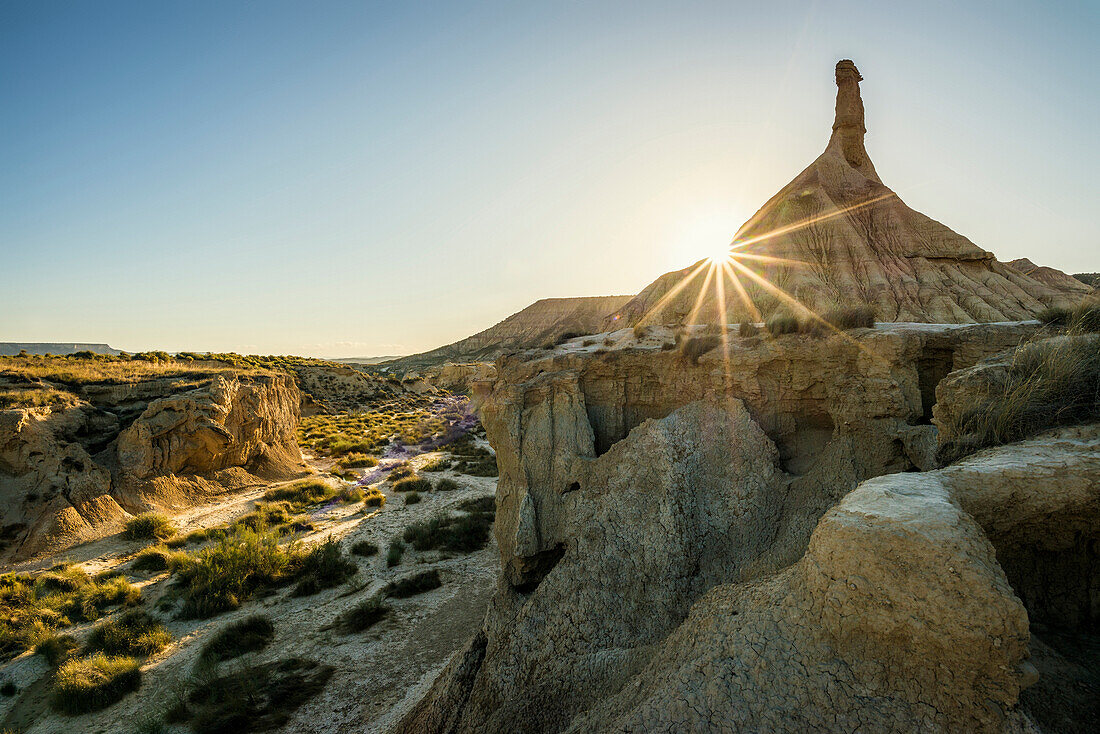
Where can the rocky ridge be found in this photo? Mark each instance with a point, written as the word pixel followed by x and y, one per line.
pixel 753 534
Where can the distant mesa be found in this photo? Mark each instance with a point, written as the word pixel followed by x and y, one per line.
pixel 9 349
pixel 836 235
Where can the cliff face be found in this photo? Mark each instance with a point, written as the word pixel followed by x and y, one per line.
pixel 76 470
pixel 747 537
pixel 540 323
pixel 837 236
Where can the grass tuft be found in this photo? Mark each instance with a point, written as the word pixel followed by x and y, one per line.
pixel 364 615
pixel 250 634
pixel 412 585
pixel 149 526
pixel 323 567
pixel 82 686
pixel 135 634
pixel 364 548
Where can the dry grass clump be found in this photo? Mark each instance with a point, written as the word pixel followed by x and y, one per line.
pixel 149 526
pixel 35 397
pixel 222 576
pixel 412 585
pixel 250 634
pixel 302 493
pixel 395 552
pixel 81 686
pixel 157 558
pixel 851 317
pixel 1048 383
pixel 462 533
pixel 323 567
pixel 692 348
pixel 400 471
pixel 781 323
pixel 435 465
pixel 364 548
pixel 1084 319
pixel 412 498
pixel 56 648
pixel 364 615
pixel 358 460
pixel 87 367
pixel 747 328
pixel 412 484
pixel 135 634
pixel 374 498
pixel 254 698
pixel 446 485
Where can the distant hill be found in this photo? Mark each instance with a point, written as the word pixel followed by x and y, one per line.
pixel 542 322
pixel 1089 279
pixel 366 360
pixel 8 349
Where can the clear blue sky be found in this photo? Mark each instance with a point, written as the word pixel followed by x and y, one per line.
pixel 358 178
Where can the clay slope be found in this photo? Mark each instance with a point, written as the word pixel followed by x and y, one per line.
pixel 1051 276
pixel 838 235
pixel 542 322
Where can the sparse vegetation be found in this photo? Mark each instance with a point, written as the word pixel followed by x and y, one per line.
pixel 364 548
pixel 364 615
pixel 149 526
pixel 782 323
pixel 692 348
pixel 851 317
pixel 747 329
pixel 1084 319
pixel 352 461
pixel 82 686
pixel 56 648
pixel 302 493
pixel 220 577
pixel 250 634
pixel 412 585
pixel 412 484
pixel 435 465
pixel 323 567
pixel 412 498
pixel 156 558
pixel 1048 383
pixel 255 698
pixel 401 471
pixel 446 485
pixel 395 552
pixel 461 533
pixel 374 498
pixel 134 634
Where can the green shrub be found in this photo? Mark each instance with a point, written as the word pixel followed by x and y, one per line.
pixel 1086 318
pixel 412 498
pixel 89 602
pixel 135 634
pixel 195 536
pixel 412 484
pixel 435 465
pixel 250 634
pixel 463 534
pixel 149 526
pixel 81 686
pixel 413 585
pixel 363 615
pixel 851 317
pixel 302 493
pixel 374 498
pixel 782 323
pixel 400 472
pixel 222 576
pixel 255 698
pixel 352 461
pixel 156 558
pixel 485 505
pixel 56 648
pixel 364 548
pixel 323 567
pixel 395 552
pixel 1055 316
pixel 446 485
pixel 1048 383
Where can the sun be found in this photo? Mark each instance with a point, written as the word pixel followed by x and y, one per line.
pixel 703 234
pixel 719 254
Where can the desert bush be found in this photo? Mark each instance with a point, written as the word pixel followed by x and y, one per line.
pixel 446 485
pixel 374 498
pixel 82 686
pixel 135 634
pixel 56 648
pixel 1055 316
pixel 149 526
pixel 747 329
pixel 302 493
pixel 463 534
pixel 781 323
pixel 195 536
pixel 395 552
pixel 156 558
pixel 412 484
pixel 364 615
pixel 480 505
pixel 412 585
pixel 323 567
pixel 222 576
pixel 90 601
pixel 693 348
pixel 250 634
pixel 436 465
pixel 1086 318
pixel 350 495
pixel 851 317
pixel 358 460
pixel 412 498
pixel 255 698
pixel 1048 383
pixel 400 472
pixel 364 548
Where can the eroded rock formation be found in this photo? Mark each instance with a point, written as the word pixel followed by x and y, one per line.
pixel 77 470
pixel 839 236
pixel 756 539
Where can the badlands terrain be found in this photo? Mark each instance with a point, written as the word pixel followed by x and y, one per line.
pixel 845 479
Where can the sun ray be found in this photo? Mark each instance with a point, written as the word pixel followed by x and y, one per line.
pixel 699 297
pixel 739 244
pixel 672 293
pixel 742 293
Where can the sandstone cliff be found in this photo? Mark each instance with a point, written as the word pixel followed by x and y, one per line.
pixel 836 235
pixel 745 540
pixel 76 468
pixel 540 323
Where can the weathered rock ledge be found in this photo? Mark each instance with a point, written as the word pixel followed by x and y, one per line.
pixel 757 540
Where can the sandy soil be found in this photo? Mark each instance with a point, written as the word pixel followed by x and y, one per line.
pixel 376 670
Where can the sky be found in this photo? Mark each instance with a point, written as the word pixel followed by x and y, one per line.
pixel 344 179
